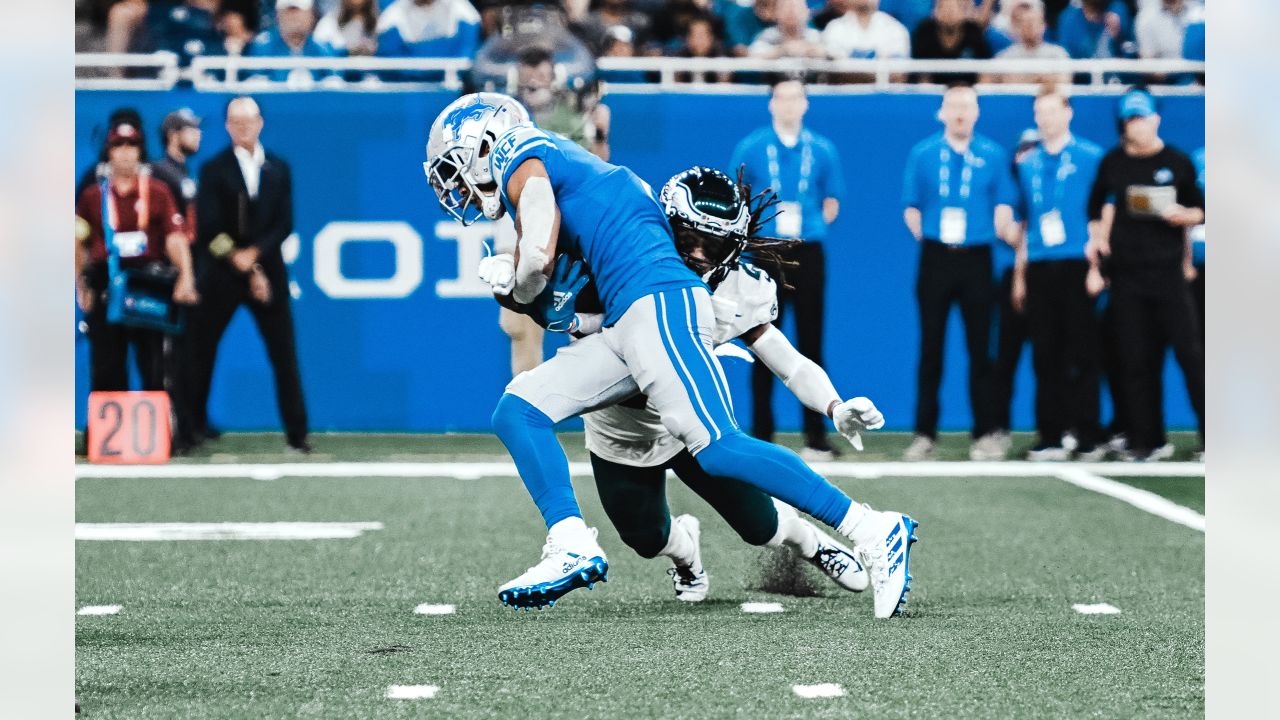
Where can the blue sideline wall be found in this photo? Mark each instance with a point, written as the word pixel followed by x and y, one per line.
pixel 391 343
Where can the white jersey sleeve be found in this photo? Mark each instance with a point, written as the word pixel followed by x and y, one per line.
pixel 747 298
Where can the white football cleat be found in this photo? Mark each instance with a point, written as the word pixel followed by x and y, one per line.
pixel 885 547
pixel 558 573
pixel 691 581
pixel 839 563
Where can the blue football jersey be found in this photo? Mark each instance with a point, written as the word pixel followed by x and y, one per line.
pixel 608 217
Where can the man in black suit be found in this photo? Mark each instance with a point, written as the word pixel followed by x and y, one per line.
pixel 244 213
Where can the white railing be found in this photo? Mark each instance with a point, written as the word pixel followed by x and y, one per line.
pixel 886 72
pixel 224 73
pixel 116 71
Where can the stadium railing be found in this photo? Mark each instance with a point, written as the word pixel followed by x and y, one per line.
pixel 659 74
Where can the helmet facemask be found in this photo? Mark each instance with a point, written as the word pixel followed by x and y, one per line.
pixel 712 257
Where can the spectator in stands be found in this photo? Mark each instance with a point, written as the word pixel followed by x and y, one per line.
pixel 949 34
pixel 908 12
pixel 744 21
pixel 954 186
pixel 351 28
pixel 1161 29
pixel 1096 29
pixel 700 40
pixel 793 36
pixel 196 27
pixel 429 28
pixel 1029 27
pixel 671 25
pixel 866 32
pixel 291 37
pixel 619 41
pixel 596 30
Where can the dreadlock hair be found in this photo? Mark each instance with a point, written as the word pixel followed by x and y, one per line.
pixel 767 252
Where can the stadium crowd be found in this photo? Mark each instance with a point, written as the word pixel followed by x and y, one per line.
pixel 924 29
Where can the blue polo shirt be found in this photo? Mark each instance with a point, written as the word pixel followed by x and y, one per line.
pixel 937 177
pixel 1197 233
pixel 806 173
pixel 1057 182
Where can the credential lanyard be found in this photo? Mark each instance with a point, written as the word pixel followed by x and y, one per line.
pixel 944 174
pixel 1060 184
pixel 806 166
pixel 111 217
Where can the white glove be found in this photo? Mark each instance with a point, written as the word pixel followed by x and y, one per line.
pixel 853 416
pixel 499 271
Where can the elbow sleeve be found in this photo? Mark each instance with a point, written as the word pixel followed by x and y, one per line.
pixel 537 220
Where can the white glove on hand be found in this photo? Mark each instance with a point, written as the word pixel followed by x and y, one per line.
pixel 853 416
pixel 499 271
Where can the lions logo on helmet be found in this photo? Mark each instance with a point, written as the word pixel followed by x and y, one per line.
pixel 458 146
pixel 711 219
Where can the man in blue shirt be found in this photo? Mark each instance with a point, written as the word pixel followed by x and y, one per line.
pixel 429 28
pixel 291 37
pixel 951 188
pixel 1054 180
pixel 804 169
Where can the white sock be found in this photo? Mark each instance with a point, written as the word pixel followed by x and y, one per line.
pixel 573 535
pixel 679 547
pixel 794 531
pixel 848 527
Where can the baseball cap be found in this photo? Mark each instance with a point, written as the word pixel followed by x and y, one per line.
pixel 177 120
pixel 300 4
pixel 1137 103
pixel 124 134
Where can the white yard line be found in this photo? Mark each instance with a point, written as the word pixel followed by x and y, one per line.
pixel 476 470
pixel 821 690
pixel 412 692
pixel 762 607
pixel 1137 497
pixel 430 609
pixel 99 610
pixel 1096 609
pixel 143 532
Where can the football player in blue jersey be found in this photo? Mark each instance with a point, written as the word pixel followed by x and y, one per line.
pixel 485 158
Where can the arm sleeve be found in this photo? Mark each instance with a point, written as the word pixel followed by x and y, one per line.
pixel 1189 192
pixel 803 377
pixel 211 217
pixel 833 180
pixel 282 217
pixel 1099 192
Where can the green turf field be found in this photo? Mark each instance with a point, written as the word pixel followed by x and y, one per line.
pixel 321 628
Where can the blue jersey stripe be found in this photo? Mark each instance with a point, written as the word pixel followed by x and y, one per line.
pixel 717 374
pixel 682 370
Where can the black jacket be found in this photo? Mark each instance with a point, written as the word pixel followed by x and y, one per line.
pixel 224 206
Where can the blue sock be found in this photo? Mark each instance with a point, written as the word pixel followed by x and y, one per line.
pixel 530 437
pixel 777 471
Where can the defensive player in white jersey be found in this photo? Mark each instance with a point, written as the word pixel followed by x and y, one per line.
pixel 485 159
pixel 716 223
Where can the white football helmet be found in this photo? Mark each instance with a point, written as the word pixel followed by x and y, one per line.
pixel 458 147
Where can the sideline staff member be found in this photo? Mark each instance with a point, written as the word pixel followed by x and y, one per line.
pixel 953 183
pixel 245 212
pixel 804 169
pixel 1054 181
pixel 148 230
pixel 1145 198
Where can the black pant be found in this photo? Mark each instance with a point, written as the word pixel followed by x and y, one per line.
pixel 1066 350
pixel 1013 335
pixel 635 499
pixel 809 280
pixel 959 275
pixel 109 347
pixel 1197 293
pixel 222 292
pixel 1147 319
